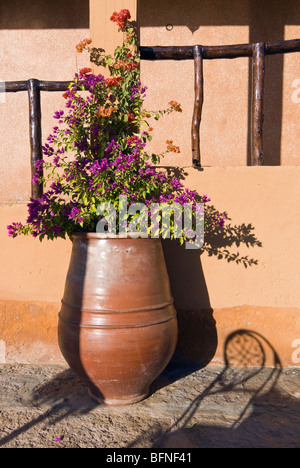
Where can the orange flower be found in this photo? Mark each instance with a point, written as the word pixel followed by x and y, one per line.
pixel 82 45
pixel 120 64
pixel 131 66
pixel 130 140
pixel 130 117
pixel 106 111
pixel 125 65
pixel 146 114
pixel 171 147
pixel 176 106
pixel 84 71
pixel 115 81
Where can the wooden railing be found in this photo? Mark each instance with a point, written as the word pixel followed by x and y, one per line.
pixel 257 51
pixel 197 53
pixel 34 88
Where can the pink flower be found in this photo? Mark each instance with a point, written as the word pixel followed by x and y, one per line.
pixel 121 18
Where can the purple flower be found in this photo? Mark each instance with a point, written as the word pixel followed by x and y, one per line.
pixel 51 138
pixel 75 211
pixel 39 165
pixel 13 229
pixel 176 184
pixel 56 161
pixel 222 221
pixel 82 145
pixel 56 187
pixel 96 129
pixel 58 114
pixel 47 150
pixel 205 199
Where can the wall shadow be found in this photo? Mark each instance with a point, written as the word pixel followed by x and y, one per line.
pixel 197 336
pixel 43 14
pixel 197 328
pixel 263 27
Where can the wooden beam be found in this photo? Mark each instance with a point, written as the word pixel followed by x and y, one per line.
pixel 198 61
pixel 282 47
pixel 257 116
pixel 217 52
pixel 35 133
pixel 53 86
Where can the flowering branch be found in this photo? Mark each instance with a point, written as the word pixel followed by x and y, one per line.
pixel 97 150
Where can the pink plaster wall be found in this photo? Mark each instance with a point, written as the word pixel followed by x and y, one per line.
pixel 214 296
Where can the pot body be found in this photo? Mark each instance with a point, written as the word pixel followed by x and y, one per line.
pixel 117 325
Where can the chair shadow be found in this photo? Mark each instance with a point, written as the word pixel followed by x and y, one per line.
pixel 267 418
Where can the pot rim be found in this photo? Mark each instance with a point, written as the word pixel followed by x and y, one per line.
pixel 126 235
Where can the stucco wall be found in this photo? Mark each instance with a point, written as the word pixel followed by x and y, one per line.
pixel 214 293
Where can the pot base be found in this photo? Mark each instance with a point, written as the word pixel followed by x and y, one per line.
pixel 113 402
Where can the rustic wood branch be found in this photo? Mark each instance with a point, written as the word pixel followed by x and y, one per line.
pixel 257 116
pixel 198 53
pixel 16 86
pixel 34 88
pixel 217 52
pixel 54 85
pixel 282 47
pixel 167 53
pixel 198 61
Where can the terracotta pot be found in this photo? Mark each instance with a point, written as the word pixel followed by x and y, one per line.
pixel 117 325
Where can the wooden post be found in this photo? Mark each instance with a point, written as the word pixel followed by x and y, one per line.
pixel 198 61
pixel 35 133
pixel 257 117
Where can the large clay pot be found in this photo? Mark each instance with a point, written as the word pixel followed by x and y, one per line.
pixel 117 325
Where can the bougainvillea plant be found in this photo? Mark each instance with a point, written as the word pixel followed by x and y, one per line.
pixel 97 150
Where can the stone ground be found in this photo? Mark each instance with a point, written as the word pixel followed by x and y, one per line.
pixel 214 407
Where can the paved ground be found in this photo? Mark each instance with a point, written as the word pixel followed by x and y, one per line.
pixel 48 407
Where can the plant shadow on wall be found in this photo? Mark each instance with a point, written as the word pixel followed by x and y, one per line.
pixel 197 340
pixel 240 406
